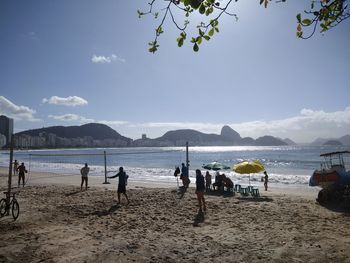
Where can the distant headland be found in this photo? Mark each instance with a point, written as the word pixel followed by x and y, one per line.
pixel 101 135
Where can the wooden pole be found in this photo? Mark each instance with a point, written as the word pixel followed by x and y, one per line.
pixel 10 172
pixel 187 160
pixel 105 159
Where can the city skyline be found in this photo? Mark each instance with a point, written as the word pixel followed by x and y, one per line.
pixel 58 68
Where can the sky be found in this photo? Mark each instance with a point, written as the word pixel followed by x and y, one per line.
pixel 73 62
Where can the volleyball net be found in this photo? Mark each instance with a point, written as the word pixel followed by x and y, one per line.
pixel 144 165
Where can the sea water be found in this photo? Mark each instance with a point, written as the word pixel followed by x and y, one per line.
pixel 286 165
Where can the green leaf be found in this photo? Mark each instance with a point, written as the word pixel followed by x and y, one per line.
pixel 299 18
pixel 195 3
pixel 202 9
pixel 307 22
pixel 216 29
pixel 199 40
pixel 180 42
pixel 211 32
pixel 195 47
pixel 299 34
pixel 207 38
pixel 186 2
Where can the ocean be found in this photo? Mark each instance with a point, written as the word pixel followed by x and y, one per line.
pixel 286 165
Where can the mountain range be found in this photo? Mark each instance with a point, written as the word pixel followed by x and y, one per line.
pixel 93 132
pixel 344 140
pixel 102 132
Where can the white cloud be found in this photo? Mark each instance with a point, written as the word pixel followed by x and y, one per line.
pixel 12 110
pixel 305 127
pixel 113 123
pixel 68 101
pixel 70 117
pixel 106 59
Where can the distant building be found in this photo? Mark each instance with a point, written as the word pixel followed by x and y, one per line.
pixel 144 136
pixel 2 140
pixel 6 128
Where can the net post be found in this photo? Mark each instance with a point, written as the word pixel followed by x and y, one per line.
pixel 187 160
pixel 105 160
pixel 10 173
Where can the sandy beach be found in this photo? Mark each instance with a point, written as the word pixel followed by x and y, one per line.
pixel 59 223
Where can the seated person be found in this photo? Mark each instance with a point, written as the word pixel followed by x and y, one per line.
pixel 227 182
pixel 218 184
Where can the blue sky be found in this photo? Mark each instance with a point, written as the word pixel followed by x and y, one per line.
pixel 72 62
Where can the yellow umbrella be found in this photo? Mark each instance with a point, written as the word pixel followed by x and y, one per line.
pixel 248 167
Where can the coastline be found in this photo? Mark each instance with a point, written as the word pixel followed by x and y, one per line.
pixel 60 223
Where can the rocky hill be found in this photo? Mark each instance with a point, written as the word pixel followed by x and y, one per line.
pixel 87 135
pixel 344 140
pixel 227 137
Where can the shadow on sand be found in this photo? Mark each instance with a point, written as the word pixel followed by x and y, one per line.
pixel 110 211
pixel 220 193
pixel 342 206
pixel 199 218
pixel 73 193
pixel 181 191
pixel 255 199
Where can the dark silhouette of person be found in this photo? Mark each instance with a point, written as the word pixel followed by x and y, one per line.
pixel 84 176
pixel 15 166
pixel 200 189
pixel 21 174
pixel 218 182
pixel 266 179
pixel 207 181
pixel 184 176
pixel 121 184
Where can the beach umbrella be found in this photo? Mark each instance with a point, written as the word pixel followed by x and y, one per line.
pixel 248 167
pixel 215 166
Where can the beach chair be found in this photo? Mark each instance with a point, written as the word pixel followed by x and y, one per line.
pixel 244 191
pixel 237 188
pixel 250 189
pixel 255 192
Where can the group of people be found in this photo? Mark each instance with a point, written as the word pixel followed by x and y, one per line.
pixel 19 170
pixel 123 177
pixel 204 183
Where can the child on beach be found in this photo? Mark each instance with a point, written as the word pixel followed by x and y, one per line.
pixel 84 176
pixel 266 179
pixel 122 183
pixel 200 188
pixel 21 171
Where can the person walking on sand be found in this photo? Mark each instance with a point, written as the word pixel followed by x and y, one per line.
pixel 84 176
pixel 21 174
pixel 15 166
pixel 122 183
pixel 200 189
pixel 266 179
pixel 207 181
